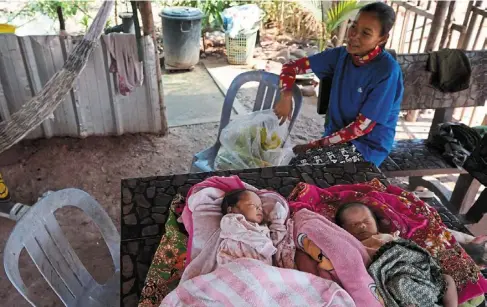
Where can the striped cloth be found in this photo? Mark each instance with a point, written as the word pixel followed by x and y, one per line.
pixel 249 282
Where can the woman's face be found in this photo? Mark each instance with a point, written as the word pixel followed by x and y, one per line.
pixel 365 34
pixel 359 222
pixel 250 206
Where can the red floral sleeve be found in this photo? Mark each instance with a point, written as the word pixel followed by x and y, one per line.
pixel 361 126
pixel 290 70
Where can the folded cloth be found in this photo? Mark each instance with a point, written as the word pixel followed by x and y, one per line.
pixel 244 239
pixel 451 70
pixel 399 210
pixel 202 216
pixel 338 253
pixel 125 61
pixel 249 282
pixel 406 274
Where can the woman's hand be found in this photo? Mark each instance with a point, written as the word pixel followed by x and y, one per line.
pixel 284 107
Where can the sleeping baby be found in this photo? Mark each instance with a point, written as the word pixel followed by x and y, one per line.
pixel 361 222
pixel 244 232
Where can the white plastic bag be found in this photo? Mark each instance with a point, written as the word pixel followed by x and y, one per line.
pixel 240 18
pixel 253 141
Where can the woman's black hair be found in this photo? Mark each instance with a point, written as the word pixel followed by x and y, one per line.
pixel 231 199
pixel 341 209
pixel 384 13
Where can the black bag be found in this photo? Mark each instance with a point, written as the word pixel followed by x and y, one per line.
pixel 455 141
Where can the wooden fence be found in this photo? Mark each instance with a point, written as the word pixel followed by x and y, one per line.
pixel 94 106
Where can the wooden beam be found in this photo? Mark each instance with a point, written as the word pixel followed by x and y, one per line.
pixel 437 25
pixel 448 25
pixel 415 9
pixel 145 8
pixel 465 40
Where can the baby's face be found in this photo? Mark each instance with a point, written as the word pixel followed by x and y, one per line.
pixel 360 222
pixel 250 206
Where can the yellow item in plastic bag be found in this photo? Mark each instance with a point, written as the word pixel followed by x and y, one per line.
pixel 6 28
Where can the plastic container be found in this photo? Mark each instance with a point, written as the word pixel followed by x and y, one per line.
pixel 240 50
pixel 181 35
pixel 6 28
pixel 127 22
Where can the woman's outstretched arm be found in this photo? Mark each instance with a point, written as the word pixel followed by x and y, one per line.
pixel 361 126
pixel 290 70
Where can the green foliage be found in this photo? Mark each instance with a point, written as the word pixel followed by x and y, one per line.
pixel 49 8
pixel 85 22
pixel 340 12
pixel 212 9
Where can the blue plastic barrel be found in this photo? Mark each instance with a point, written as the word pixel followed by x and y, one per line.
pixel 181 34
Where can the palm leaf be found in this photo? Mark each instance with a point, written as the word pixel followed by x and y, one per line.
pixel 340 12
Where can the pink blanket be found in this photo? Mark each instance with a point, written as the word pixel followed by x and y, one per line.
pixel 401 211
pixel 347 255
pixel 202 215
pixel 248 282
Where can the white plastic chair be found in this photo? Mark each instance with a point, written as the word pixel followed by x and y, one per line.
pixel 40 234
pixel 267 94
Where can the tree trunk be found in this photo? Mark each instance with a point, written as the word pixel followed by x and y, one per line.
pixel 62 25
pixel 145 8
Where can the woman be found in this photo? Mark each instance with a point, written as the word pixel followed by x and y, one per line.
pixel 366 93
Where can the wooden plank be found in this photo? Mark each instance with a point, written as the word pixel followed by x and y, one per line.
pixel 415 9
pixel 83 104
pixel 404 28
pixel 107 122
pixel 19 79
pixel 477 37
pixel 428 6
pixel 75 97
pixel 423 172
pixel 151 85
pixel 4 79
pixel 64 118
pixel 479 11
pixel 471 28
pixel 411 39
pixel 115 105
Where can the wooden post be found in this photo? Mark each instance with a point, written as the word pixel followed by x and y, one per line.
pixel 465 39
pixel 432 42
pixel 145 8
pixel 437 25
pixel 448 23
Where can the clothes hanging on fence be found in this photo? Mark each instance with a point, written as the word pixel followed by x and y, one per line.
pixel 124 61
pixel 451 70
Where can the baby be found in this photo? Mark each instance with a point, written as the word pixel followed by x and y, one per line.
pixel 361 222
pixel 244 233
